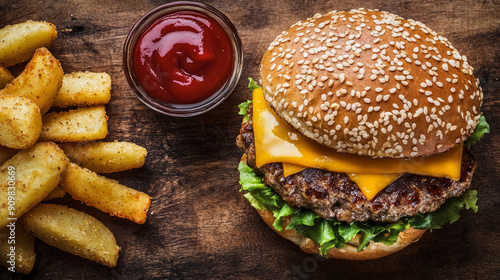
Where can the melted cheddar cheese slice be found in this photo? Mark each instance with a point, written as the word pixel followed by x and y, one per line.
pixel 370 184
pixel 277 141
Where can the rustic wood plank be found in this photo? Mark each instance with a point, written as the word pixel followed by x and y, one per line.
pixel 200 226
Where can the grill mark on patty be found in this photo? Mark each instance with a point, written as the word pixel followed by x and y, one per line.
pixel 335 195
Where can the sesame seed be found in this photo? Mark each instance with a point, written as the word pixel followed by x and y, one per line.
pixel 342 78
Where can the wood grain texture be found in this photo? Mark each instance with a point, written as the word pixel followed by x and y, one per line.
pixel 200 226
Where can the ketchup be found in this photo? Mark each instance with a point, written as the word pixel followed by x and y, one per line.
pixel 183 58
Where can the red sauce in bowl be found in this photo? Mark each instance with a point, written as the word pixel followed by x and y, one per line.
pixel 183 58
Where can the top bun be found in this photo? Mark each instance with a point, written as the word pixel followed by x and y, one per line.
pixel 372 83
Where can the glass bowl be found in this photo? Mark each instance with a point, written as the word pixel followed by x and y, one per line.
pixel 182 110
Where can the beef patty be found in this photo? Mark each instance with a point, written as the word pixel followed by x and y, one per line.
pixel 335 195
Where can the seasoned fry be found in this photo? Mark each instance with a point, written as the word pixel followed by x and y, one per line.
pixel 58 192
pixel 84 89
pixel 22 258
pixel 106 157
pixel 84 124
pixel 6 154
pixel 19 41
pixel 72 231
pixel 105 194
pixel 5 77
pixel 20 122
pixel 35 172
pixel 40 81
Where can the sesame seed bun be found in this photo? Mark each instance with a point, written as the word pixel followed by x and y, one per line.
pixel 372 83
pixel 350 250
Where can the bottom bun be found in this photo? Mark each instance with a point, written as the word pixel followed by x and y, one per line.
pixel 350 250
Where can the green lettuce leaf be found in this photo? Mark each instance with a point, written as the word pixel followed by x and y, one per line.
pixel 260 192
pixel 285 211
pixel 302 217
pixel 243 109
pixel 447 213
pixel 254 202
pixel 244 106
pixel 252 85
pixel 332 233
pixel 392 230
pixel 481 128
pixel 322 232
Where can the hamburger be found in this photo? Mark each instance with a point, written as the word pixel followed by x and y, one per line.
pixel 357 140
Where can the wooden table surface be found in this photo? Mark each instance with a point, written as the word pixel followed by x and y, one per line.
pixel 199 225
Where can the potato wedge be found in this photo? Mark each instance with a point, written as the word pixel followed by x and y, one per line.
pixel 20 122
pixel 22 258
pixel 35 173
pixel 5 77
pixel 58 192
pixel 105 194
pixel 20 41
pixel 72 231
pixel 84 124
pixel 6 154
pixel 84 89
pixel 105 157
pixel 40 81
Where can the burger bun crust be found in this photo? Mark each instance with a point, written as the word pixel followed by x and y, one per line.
pixel 372 83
